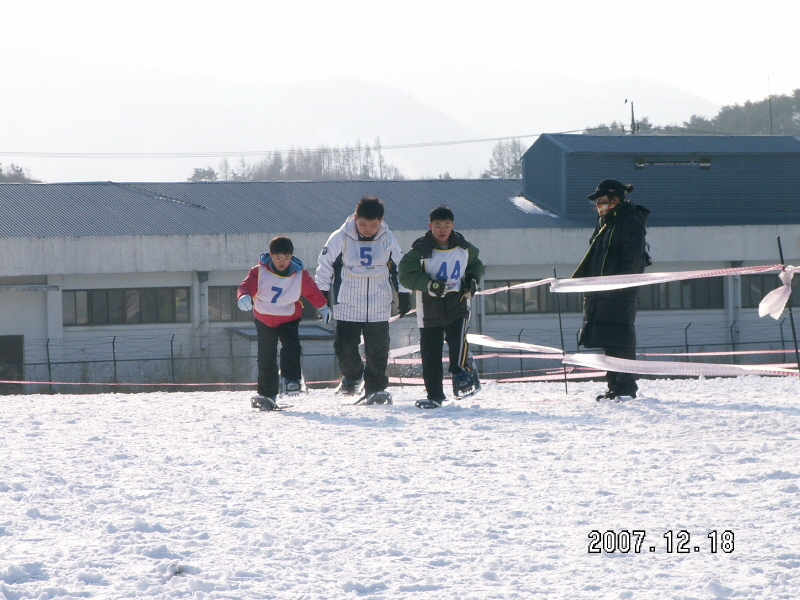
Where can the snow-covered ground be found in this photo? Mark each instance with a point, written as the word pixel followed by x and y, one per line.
pixel 196 495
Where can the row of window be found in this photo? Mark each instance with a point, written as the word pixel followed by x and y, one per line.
pixel 676 295
pixel 112 307
pixel 171 305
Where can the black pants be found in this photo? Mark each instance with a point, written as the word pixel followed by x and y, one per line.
pixel 623 384
pixel 268 338
pixel 431 344
pixel 376 352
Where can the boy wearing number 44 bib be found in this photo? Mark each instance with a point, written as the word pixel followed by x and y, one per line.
pixel 444 270
pixel 272 290
pixel 358 274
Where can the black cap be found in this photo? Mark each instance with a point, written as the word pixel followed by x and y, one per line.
pixel 609 187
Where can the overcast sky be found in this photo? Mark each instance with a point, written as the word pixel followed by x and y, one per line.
pixel 456 57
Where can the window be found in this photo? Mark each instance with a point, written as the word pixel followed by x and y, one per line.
pixel 683 295
pixel 222 305
pixel 528 301
pixel 117 307
pixel 676 295
pixel 755 287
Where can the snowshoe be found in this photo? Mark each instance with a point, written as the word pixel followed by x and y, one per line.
pixel 264 403
pixel 466 382
pixel 350 387
pixel 428 403
pixel 381 397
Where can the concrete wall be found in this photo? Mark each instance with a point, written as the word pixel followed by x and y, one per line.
pixel 172 261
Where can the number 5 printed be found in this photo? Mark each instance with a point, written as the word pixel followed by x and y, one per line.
pixel 365 255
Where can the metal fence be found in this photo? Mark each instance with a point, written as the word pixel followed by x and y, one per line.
pixel 225 360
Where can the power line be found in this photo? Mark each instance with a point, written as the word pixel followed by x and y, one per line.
pixel 300 151
pixel 159 155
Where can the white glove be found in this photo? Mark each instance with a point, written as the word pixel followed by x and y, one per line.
pixel 324 314
pixel 245 302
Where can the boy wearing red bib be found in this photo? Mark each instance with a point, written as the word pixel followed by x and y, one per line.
pixel 272 290
pixel 444 270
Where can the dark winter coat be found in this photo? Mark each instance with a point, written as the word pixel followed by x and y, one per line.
pixel 617 247
pixel 437 312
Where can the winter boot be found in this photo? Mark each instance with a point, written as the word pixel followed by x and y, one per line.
pixel 350 387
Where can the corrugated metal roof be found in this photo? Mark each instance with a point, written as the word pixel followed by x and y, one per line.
pixel 672 144
pixel 108 208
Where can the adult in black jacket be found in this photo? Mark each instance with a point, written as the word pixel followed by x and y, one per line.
pixel 617 247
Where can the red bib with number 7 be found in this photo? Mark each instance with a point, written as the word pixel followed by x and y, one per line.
pixel 277 295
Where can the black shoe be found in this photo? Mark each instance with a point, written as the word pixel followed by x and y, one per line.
pixel 350 387
pixel 607 396
pixel 292 387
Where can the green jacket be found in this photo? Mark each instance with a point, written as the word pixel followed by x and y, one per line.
pixel 435 311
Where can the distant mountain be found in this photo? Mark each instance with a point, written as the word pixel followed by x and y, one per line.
pixel 85 108
pixel 61 107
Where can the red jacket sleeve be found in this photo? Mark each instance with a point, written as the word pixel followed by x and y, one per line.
pixel 310 291
pixel 250 284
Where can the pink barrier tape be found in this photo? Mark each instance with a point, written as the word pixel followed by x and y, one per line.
pixel 728 353
pixel 518 286
pixel 484 340
pixel 164 384
pixel 616 282
pixel 654 367
pixel 111 383
pixel 418 361
pixel 403 351
pixel 554 377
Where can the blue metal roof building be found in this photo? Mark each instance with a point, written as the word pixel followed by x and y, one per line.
pixel 683 180
pixel 209 208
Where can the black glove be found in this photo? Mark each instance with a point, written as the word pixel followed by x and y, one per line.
pixel 437 287
pixel 403 303
pixel 468 288
pixel 325 293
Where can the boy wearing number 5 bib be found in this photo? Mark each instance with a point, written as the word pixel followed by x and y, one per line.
pixel 358 274
pixel 272 290
pixel 444 270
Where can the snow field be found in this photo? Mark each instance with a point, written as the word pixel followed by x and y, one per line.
pixel 196 495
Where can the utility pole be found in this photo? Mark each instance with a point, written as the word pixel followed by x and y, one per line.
pixel 769 92
pixel 633 119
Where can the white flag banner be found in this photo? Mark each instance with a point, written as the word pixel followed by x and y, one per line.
pixel 773 303
pixel 617 282
pixel 486 341
pixel 663 367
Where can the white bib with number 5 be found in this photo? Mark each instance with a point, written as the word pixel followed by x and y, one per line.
pixel 365 258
